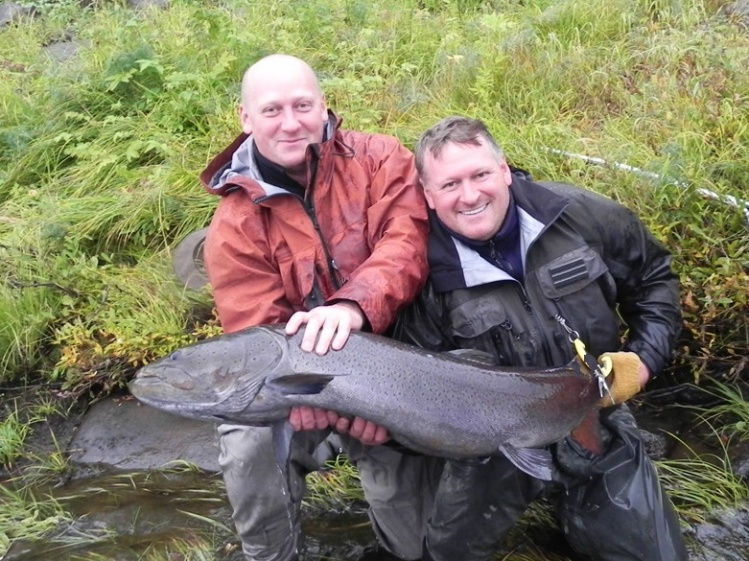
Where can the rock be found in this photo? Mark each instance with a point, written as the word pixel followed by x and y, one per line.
pixel 739 8
pixel 145 4
pixel 61 51
pixel 11 12
pixel 740 459
pixel 188 261
pixel 656 445
pixel 125 434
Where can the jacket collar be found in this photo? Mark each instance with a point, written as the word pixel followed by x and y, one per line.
pixel 236 163
pixel 454 265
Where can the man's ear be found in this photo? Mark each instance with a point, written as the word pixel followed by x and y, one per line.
pixel 505 171
pixel 428 197
pixel 324 108
pixel 244 120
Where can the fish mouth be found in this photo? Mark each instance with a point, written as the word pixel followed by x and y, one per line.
pixel 168 377
pixel 174 389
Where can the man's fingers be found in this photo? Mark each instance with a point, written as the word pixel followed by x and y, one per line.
pixel 295 322
pixel 307 414
pixel 373 434
pixel 381 436
pixel 333 417
pixel 320 418
pixel 312 418
pixel 310 333
pixel 295 418
pixel 315 418
pixel 325 336
pixel 303 418
pixel 342 334
pixel 357 427
pixel 326 326
pixel 342 424
pixel 368 432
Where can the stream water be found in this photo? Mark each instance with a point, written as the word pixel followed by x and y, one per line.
pixel 134 516
pixel 183 515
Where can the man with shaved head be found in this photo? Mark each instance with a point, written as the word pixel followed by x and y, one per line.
pixel 324 229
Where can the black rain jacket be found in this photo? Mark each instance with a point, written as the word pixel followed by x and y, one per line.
pixel 586 258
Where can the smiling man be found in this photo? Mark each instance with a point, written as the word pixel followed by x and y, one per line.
pixel 324 229
pixel 468 190
pixel 516 265
pixel 283 106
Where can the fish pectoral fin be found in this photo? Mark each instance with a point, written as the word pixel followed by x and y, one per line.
pixel 536 462
pixel 302 383
pixel 282 432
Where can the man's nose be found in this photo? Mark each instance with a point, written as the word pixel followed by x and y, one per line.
pixel 290 122
pixel 468 192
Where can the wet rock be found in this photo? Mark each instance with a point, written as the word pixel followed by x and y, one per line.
pixel 124 434
pixel 725 536
pixel 145 4
pixel 740 459
pixel 11 12
pixel 656 445
pixel 740 9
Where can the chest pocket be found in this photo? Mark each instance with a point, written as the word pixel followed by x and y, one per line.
pixel 572 272
pixel 492 319
pixel 584 292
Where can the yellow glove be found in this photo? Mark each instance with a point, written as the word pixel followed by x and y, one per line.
pixel 625 372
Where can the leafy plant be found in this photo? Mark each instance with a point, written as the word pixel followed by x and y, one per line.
pixel 100 154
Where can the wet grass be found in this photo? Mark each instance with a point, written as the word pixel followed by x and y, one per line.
pixel 198 527
pixel 335 489
pixel 25 515
pixel 12 437
pixel 732 413
pixel 99 157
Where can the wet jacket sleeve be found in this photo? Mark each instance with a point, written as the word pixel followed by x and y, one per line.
pixel 397 230
pixel 423 323
pixel 647 287
pixel 234 252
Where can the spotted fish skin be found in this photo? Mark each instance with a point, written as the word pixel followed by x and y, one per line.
pixel 433 403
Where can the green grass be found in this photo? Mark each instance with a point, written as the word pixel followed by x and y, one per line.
pixel 732 412
pixel 25 515
pixel 99 155
pixel 13 433
pixel 335 488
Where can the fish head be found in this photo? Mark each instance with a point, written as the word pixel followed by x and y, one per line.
pixel 215 379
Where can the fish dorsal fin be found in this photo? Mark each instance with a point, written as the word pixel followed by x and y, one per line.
pixel 536 462
pixel 301 383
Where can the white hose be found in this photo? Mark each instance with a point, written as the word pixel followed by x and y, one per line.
pixel 726 199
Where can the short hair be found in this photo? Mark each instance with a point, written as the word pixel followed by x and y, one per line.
pixel 453 130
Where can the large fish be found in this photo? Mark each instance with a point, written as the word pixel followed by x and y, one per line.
pixel 436 404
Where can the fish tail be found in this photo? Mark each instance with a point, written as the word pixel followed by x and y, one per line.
pixel 588 433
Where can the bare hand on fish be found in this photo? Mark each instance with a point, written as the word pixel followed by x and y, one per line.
pixel 329 327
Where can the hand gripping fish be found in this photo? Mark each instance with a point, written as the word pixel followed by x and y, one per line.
pixel 435 404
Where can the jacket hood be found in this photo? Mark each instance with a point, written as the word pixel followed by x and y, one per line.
pixel 236 164
pixel 454 265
